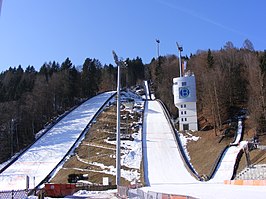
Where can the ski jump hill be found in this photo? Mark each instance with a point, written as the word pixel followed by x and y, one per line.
pixel 42 158
pixel 166 167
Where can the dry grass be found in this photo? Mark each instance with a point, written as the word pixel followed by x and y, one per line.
pixel 94 149
pixel 206 150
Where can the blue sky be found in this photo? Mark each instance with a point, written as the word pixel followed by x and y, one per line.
pixel 36 31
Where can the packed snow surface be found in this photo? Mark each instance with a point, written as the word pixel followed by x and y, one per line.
pixel 226 166
pixel 163 163
pixel 165 171
pixel 45 154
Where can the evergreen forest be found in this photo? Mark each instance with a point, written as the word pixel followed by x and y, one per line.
pixel 227 80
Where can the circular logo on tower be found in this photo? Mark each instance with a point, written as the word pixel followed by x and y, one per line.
pixel 183 92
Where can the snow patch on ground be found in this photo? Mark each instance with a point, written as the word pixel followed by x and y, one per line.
pixel 131 156
pixel 96 194
pixel 185 138
pixel 131 151
pixel 111 194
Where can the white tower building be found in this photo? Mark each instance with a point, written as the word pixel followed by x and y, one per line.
pixel 184 90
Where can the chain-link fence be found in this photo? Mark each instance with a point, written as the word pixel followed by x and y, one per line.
pixel 20 194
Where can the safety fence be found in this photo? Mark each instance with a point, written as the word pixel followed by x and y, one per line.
pixel 19 194
pixel 137 193
pixel 254 172
pixel 53 190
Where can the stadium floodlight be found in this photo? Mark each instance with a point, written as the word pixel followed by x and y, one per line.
pixel 180 49
pixel 158 47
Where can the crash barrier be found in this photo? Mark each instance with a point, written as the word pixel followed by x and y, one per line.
pixel 62 190
pixel 14 194
pixel 140 194
pixel 246 182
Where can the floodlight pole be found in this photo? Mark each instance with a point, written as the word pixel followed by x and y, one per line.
pixel 180 49
pixel 118 153
pixel 118 170
pixel 158 48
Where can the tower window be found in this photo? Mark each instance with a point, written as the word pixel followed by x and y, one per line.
pixel 181 105
pixel 184 83
pixel 185 119
pixel 181 112
pixel 184 105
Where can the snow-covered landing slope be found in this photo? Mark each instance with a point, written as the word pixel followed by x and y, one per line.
pixel 226 166
pixel 45 154
pixel 165 171
pixel 162 162
pixel 162 158
pixel 225 169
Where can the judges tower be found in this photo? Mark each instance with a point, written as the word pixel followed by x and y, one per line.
pixel 184 90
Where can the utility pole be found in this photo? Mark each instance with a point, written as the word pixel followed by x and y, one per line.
pixel 118 159
pixel 180 49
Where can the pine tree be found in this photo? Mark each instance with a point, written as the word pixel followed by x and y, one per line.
pixel 210 59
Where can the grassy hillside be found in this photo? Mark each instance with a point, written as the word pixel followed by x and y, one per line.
pixel 205 151
pixel 95 156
